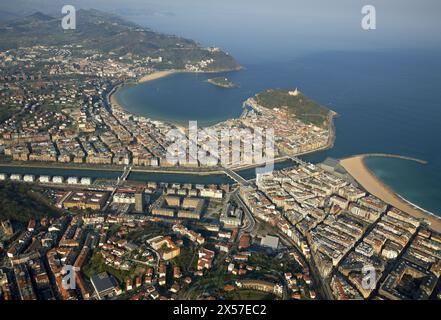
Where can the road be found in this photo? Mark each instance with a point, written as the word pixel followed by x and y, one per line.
pixel 123 177
pixel 248 215
pixel 233 175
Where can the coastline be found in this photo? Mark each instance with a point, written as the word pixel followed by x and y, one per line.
pixel 157 75
pixel 357 168
pixel 114 104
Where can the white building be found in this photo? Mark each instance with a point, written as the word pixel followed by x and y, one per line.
pixel 57 179
pixel 86 181
pixel 44 179
pixel 72 180
pixel 29 178
pixel 121 197
pixel 209 193
pixel 16 177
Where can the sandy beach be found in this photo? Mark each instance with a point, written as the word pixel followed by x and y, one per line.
pixel 156 75
pixel 114 102
pixel 149 77
pixel 356 167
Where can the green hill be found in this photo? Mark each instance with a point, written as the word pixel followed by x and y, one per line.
pixel 111 35
pixel 298 104
pixel 19 203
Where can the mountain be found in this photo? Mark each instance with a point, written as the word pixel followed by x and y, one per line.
pixel 108 33
pixel 7 15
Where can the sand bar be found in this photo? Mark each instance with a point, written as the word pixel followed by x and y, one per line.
pixel 356 167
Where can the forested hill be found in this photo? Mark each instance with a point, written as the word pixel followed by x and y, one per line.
pixel 109 34
pixel 18 202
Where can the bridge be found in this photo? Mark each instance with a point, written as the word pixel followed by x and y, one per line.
pixel 125 174
pixel 236 177
pixel 127 170
pixel 298 161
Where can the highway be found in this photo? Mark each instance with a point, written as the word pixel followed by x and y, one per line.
pixel 248 215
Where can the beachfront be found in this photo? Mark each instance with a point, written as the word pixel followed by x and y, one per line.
pixel 356 167
pixel 157 75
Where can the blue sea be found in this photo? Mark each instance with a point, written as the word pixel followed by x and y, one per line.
pixel 388 101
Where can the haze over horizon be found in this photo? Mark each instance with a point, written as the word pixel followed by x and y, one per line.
pixel 281 29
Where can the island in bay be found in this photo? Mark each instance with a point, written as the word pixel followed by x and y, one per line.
pixel 301 232
pixel 221 82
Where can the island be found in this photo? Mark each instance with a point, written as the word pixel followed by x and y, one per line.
pixel 85 183
pixel 221 82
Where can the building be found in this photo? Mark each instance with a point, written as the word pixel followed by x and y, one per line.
pixel 406 273
pixel 16 177
pixel 260 285
pixel 124 197
pixel 44 179
pixel 165 246
pixel 57 179
pixel 139 202
pixel 104 285
pixel 231 217
pixel 244 241
pixel 174 206
pixel 86 181
pixel 28 178
pixel 86 200
pixel 270 242
pixel 72 180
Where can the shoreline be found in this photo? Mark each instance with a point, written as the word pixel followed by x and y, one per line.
pixel 113 101
pixel 357 168
pixel 114 104
pixel 158 75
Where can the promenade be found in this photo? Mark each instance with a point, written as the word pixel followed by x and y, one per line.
pixel 356 167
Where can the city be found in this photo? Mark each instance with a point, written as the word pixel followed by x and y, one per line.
pixel 102 203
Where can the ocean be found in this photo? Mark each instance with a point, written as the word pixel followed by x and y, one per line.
pixel 388 101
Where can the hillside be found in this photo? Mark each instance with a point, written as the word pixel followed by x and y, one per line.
pixel 19 203
pixel 297 103
pixel 109 34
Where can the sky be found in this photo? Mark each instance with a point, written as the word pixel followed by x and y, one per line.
pixel 261 29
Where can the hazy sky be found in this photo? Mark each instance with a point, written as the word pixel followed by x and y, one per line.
pixel 262 28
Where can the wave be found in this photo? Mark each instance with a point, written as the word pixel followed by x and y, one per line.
pixel 418 207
